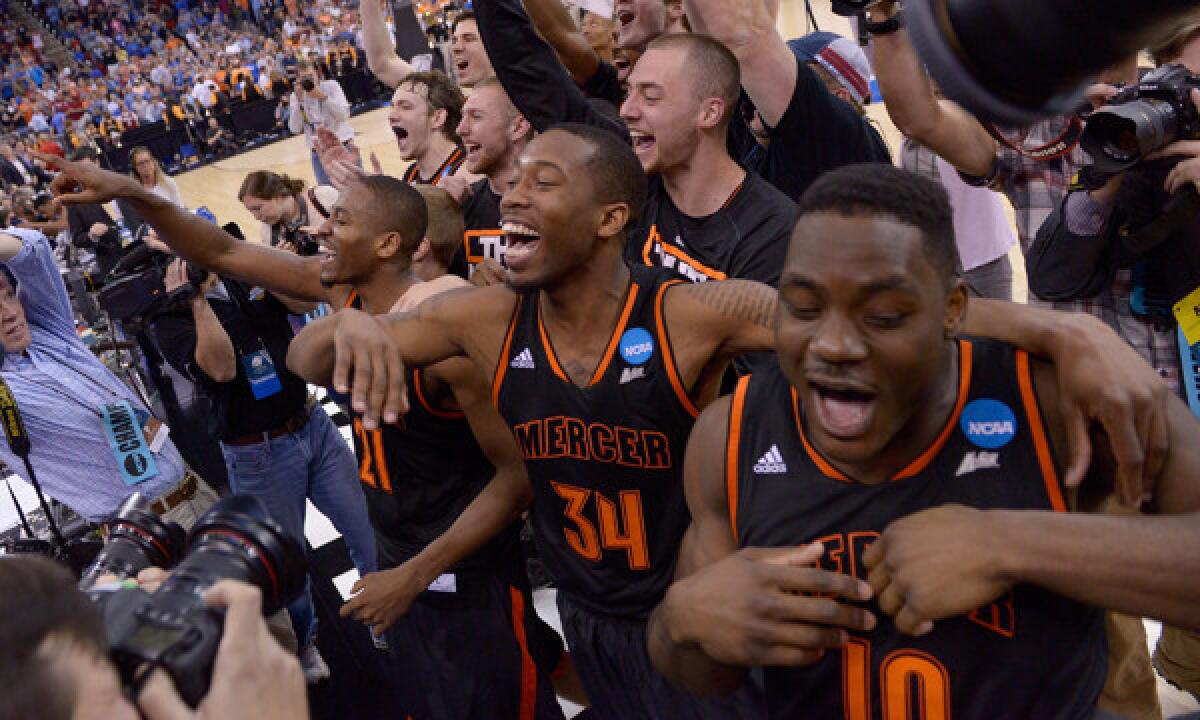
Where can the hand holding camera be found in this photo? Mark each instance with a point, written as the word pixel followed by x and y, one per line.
pixel 1187 171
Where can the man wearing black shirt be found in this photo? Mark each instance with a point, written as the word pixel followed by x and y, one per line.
pixel 810 130
pixel 493 133
pixel 426 109
pixel 705 217
pixel 232 339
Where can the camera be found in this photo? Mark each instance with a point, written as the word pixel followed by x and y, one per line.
pixel 172 628
pixel 308 84
pixel 1143 118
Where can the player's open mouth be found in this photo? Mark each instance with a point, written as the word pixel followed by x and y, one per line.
pixel 461 66
pixel 642 142
pixel 472 149
pixel 521 242
pixel 625 17
pixel 844 410
pixel 401 132
pixel 326 254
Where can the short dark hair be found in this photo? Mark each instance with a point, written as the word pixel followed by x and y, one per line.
pixel 715 70
pixel 441 94
pixel 41 602
pixel 615 170
pixel 463 17
pixel 396 207
pixel 882 189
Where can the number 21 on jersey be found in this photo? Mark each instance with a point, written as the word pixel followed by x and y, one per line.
pixel 620 525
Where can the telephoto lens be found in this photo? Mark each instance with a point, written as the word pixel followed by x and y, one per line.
pixel 1143 118
pixel 137 539
pixel 173 628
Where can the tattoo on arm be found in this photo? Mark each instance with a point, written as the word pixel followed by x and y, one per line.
pixel 742 300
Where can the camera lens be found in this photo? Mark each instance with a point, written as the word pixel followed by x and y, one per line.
pixel 237 539
pixel 1119 136
pixel 137 539
pixel 308 84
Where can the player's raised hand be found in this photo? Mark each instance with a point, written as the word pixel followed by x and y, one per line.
pixel 367 364
pixel 935 564
pixel 767 606
pixel 84 183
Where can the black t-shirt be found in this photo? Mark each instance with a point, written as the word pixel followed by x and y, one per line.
pixel 483 238
pixel 746 239
pixel 259 322
pixel 817 133
pixel 604 85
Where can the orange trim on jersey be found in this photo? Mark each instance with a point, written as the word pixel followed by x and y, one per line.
pixel 922 461
pixel 668 354
pixel 467 235
pixel 616 336
pixel 733 441
pixel 1041 444
pixel 350 299
pixel 528 669
pixel 549 348
pixel 502 362
pixel 429 408
pixel 964 384
pixel 650 238
pixel 385 481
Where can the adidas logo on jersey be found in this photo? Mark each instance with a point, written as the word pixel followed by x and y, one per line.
pixel 974 460
pixel 630 374
pixel 771 463
pixel 523 361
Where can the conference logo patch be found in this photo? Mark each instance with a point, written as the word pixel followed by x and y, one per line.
pixel 988 423
pixel 637 346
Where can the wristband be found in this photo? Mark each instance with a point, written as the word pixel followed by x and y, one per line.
pixel 887 27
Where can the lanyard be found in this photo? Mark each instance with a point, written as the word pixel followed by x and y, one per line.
pixel 64 394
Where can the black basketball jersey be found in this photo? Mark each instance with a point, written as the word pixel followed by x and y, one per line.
pixel 449 166
pixel 419 474
pixel 482 239
pixel 1031 654
pixel 605 460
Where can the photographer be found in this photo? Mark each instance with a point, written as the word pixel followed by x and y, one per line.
pixel 317 103
pixel 54 666
pixel 70 401
pixel 287 213
pixel 279 445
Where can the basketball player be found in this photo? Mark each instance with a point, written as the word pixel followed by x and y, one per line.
pixel 889 460
pixel 493 133
pixel 426 109
pixel 437 601
pixel 600 370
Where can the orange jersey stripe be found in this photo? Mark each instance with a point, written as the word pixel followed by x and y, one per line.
pixel 732 442
pixel 1037 429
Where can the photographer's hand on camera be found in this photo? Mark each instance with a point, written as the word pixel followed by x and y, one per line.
pixel 1187 170
pixel 253 677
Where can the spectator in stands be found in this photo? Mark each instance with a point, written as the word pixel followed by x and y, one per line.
pixel 218 140
pixel 91 227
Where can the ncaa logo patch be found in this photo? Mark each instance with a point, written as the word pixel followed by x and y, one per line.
pixel 990 424
pixel 637 347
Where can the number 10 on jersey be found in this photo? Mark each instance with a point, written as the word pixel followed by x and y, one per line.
pixel 620 525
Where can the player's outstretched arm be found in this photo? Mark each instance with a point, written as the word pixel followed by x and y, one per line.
pixel 387 595
pixel 197 240
pixel 553 22
pixel 1100 379
pixel 732 609
pixel 949 560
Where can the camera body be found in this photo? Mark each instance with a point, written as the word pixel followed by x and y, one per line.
pixel 308 84
pixel 173 628
pixel 1143 118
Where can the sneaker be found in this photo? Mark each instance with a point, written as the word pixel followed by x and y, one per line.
pixel 315 669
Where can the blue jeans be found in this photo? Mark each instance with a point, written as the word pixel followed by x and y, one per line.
pixel 316 463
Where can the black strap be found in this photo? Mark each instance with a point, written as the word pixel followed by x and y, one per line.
pixel 18 442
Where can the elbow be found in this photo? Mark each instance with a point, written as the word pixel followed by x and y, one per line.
pixel 225 373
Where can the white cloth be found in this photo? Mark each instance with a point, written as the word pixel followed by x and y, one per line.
pixel 980 223
pixel 332 113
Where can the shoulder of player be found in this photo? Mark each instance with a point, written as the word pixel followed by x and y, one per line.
pixel 469 304
pixel 760 203
pixel 704 475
